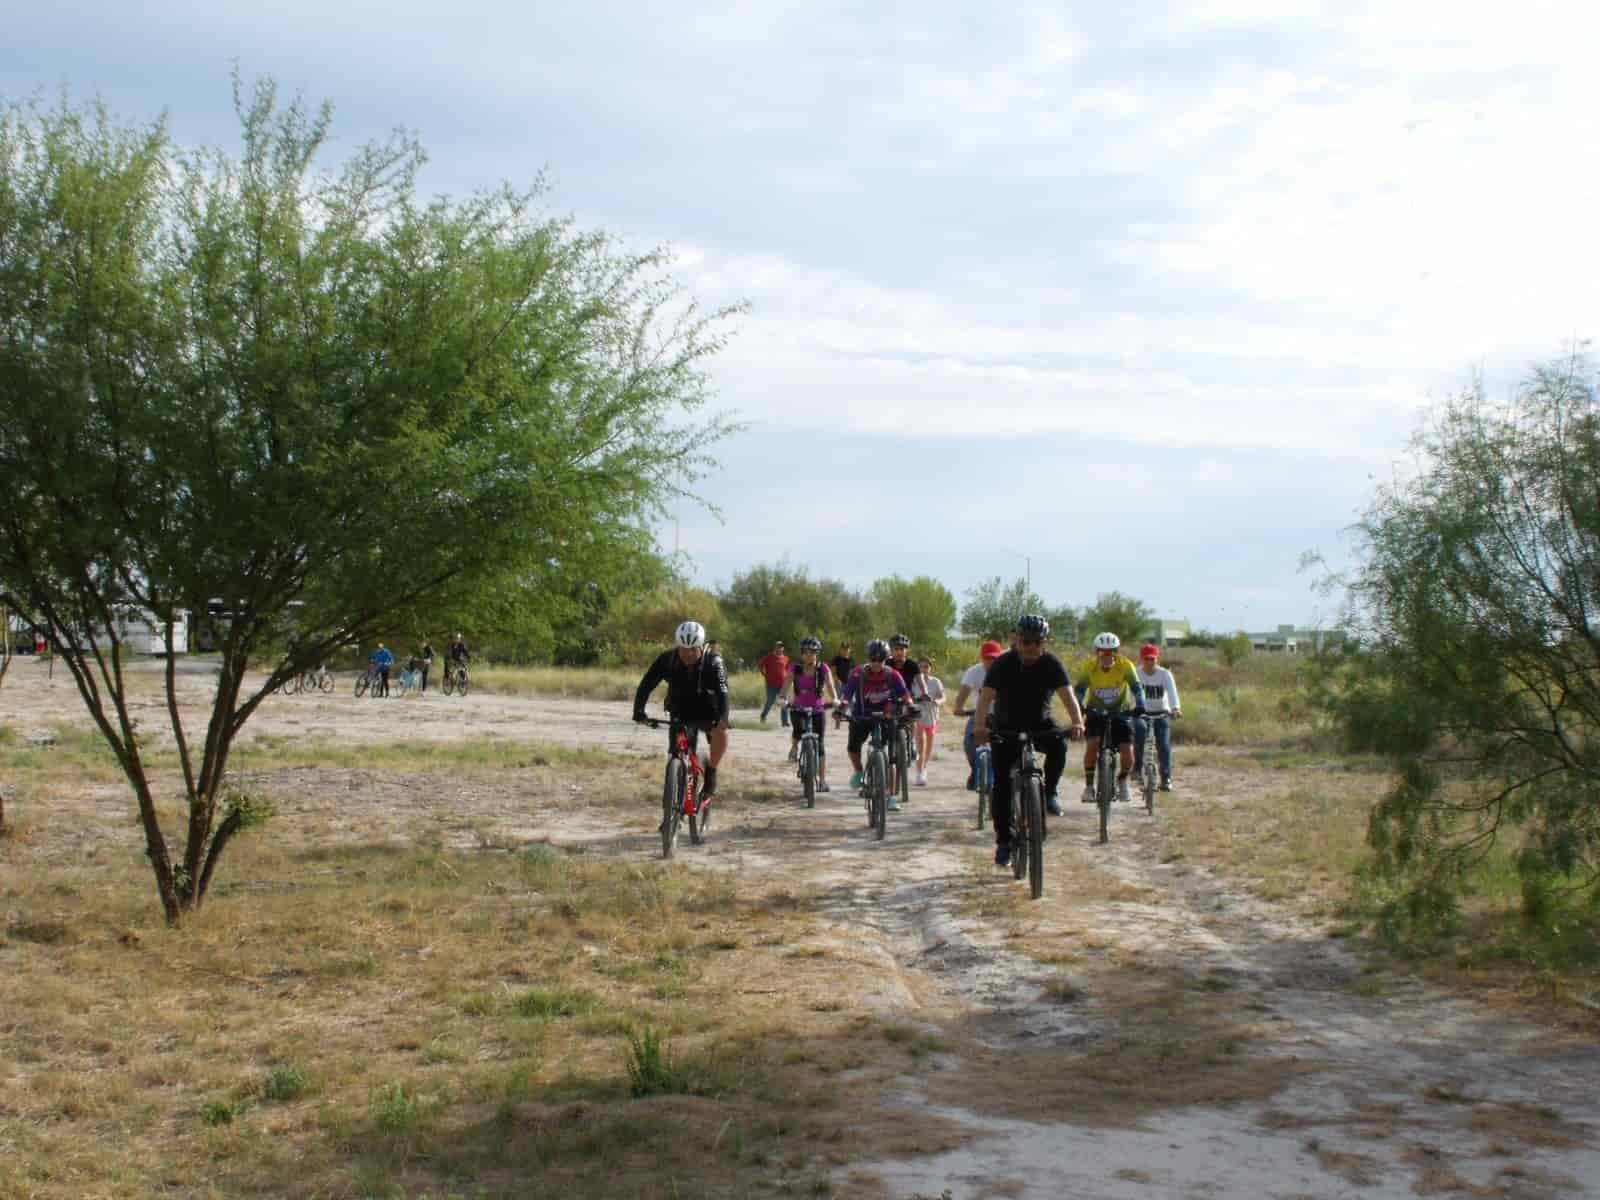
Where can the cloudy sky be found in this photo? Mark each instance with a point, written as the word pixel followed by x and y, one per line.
pixel 1141 299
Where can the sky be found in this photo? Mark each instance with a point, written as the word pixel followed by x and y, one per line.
pixel 1145 297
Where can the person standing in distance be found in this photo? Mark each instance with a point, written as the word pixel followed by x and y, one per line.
pixel 774 668
pixel 697 692
pixel 971 684
pixel 1015 697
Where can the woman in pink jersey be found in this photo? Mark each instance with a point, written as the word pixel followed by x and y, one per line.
pixel 807 690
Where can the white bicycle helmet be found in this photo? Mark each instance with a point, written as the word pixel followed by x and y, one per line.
pixel 1107 641
pixel 691 635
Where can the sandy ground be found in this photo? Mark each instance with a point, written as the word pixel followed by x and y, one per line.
pixel 1329 1086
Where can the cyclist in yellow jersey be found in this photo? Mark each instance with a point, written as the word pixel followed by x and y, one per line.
pixel 1112 698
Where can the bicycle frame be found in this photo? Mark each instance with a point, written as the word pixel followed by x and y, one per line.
pixel 1147 753
pixel 684 764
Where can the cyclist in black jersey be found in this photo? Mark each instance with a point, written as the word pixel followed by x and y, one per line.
pixel 697 691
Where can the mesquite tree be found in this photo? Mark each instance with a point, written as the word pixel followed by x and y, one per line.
pixel 309 394
pixel 1478 597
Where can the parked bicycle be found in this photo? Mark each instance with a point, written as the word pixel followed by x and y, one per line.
pixel 1027 811
pixel 318 679
pixel 681 797
pixel 411 681
pixel 367 682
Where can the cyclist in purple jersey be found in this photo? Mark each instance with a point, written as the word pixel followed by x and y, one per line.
pixel 807 691
pixel 875 690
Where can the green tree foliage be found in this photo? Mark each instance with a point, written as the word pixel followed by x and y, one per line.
pixel 639 626
pixel 1476 595
pixel 922 608
pixel 992 606
pixel 1128 618
pixel 1233 648
pixel 310 393
pixel 781 603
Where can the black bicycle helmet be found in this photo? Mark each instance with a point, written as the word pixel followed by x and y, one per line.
pixel 811 643
pixel 877 650
pixel 899 639
pixel 1032 625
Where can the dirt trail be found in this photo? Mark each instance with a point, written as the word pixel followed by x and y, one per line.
pixel 1180 1038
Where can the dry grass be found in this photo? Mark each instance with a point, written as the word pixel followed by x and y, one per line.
pixel 387 995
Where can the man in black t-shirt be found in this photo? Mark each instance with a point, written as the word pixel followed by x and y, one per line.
pixel 899 646
pixel 1015 697
pixel 697 692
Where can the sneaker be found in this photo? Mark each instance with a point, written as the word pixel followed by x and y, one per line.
pixel 1052 805
pixel 823 787
pixel 921 780
pixel 794 753
pixel 894 802
pixel 1166 785
pixel 1088 794
pixel 855 779
pixel 972 783
pixel 1002 854
pixel 1122 790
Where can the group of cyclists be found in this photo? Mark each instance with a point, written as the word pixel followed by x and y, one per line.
pixel 1107 696
pixel 421 661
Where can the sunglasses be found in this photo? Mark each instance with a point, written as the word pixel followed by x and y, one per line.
pixel 1030 641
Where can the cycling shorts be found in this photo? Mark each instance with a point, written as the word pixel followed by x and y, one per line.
pixel 1121 725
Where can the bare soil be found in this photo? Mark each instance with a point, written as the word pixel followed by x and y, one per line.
pixel 1148 1029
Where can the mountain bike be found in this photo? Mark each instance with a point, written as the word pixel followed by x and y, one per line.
pixel 1027 811
pixel 410 682
pixel 680 791
pixel 320 679
pixel 808 760
pixel 455 679
pixel 1149 777
pixel 983 776
pixel 366 682
pixel 904 751
pixel 881 733
pixel 1105 776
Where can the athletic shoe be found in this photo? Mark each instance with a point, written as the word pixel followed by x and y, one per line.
pixel 1122 790
pixel 794 752
pixel 1052 805
pixel 972 783
pixel 1088 794
pixel 1166 785
pixel 1002 854
pixel 855 779
pixel 894 802
pixel 921 780
pixel 823 787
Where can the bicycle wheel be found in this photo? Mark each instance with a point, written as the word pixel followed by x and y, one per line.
pixel 1148 775
pixel 808 771
pixel 325 681
pixel 461 682
pixel 1105 789
pixel 671 806
pixel 907 757
pixel 363 682
pixel 1033 809
pixel 449 682
pixel 980 773
pixel 878 792
pixel 1019 835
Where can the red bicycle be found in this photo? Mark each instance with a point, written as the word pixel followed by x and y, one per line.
pixel 681 797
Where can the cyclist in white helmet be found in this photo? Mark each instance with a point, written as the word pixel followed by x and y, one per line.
pixel 1113 696
pixel 697 691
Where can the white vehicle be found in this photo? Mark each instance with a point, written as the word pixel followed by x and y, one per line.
pixel 141 631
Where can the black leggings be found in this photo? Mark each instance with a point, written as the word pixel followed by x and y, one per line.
pixel 1049 738
pixel 800 718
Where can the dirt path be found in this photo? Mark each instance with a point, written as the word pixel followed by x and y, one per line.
pixel 1144 1031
